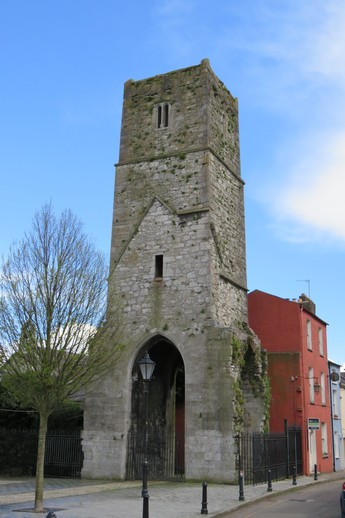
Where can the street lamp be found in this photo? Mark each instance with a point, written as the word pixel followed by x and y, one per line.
pixel 146 368
pixel 316 384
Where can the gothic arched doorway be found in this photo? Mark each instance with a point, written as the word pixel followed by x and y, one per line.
pixel 164 440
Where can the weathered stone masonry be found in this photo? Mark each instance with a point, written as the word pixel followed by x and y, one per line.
pixel 179 211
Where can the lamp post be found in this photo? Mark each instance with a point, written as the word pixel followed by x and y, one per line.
pixel 316 384
pixel 146 368
pixel 293 379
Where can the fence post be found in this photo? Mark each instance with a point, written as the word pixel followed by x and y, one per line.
pixel 269 480
pixel 204 499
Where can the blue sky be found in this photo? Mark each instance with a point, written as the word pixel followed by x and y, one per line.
pixel 63 65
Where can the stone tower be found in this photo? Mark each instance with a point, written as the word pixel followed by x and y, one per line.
pixel 178 275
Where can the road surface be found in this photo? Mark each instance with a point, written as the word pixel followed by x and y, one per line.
pixel 318 501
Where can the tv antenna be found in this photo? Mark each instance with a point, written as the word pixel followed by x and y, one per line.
pixel 308 283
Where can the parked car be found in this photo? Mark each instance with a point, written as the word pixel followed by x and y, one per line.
pixel 342 499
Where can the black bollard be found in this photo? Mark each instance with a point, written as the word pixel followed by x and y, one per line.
pixel 269 481
pixel 204 499
pixel 146 506
pixel 241 482
pixel 144 492
pixel 315 472
pixel 294 481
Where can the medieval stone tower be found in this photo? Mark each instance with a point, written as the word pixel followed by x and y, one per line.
pixel 178 275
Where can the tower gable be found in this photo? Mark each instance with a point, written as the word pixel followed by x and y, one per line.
pixel 165 260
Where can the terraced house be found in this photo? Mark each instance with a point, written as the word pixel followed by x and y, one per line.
pixel 296 341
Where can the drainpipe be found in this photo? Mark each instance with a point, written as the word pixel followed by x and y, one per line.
pixel 331 405
pixel 305 410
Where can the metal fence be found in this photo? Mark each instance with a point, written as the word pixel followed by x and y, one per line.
pixel 257 453
pixel 18 452
pixel 165 456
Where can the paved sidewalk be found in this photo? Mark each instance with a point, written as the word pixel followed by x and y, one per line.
pixel 71 498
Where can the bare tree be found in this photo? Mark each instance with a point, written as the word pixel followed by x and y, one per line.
pixel 54 339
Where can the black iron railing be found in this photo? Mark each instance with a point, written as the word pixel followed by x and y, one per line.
pixel 18 452
pixel 257 453
pixel 165 456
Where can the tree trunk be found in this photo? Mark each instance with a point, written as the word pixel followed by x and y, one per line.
pixel 40 463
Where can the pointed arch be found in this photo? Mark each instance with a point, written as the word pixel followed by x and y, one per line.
pixel 165 412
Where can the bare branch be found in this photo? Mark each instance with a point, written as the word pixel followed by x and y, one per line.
pixel 52 303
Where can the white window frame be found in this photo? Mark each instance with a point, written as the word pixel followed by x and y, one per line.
pixel 336 445
pixel 321 341
pixel 324 439
pixel 311 385
pixel 335 400
pixel 323 388
pixel 309 336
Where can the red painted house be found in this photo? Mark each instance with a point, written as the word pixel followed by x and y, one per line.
pixel 296 342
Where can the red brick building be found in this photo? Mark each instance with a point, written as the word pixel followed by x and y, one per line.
pixel 296 342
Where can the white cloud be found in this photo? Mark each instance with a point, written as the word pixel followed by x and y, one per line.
pixel 174 8
pixel 172 20
pixel 310 205
pixel 306 37
pixel 289 58
pixel 308 197
pixel 327 47
pixel 291 52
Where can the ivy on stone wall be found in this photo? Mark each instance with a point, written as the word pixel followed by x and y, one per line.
pixel 250 363
pixel 239 348
pixel 238 406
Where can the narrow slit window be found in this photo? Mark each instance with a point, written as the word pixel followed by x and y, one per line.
pixel 158 266
pixel 166 115
pixel 163 115
pixel 159 116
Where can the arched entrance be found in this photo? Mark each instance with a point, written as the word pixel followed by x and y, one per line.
pixel 165 414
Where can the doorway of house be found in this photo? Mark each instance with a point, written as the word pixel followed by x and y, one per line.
pixel 312 450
